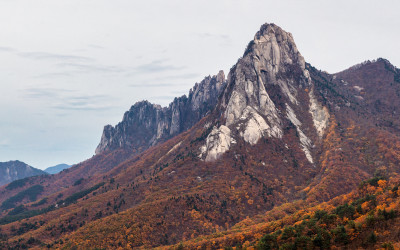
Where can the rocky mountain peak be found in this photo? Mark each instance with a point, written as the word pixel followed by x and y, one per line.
pixel 271 58
pixel 221 76
pixel 274 51
pixel 262 95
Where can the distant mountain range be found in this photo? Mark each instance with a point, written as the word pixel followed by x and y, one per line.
pixel 56 169
pixel 15 170
pixel 278 155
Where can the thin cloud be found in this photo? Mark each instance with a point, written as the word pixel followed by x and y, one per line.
pixel 7 49
pixel 157 66
pixel 95 46
pixel 55 75
pixel 83 107
pixel 210 35
pixel 85 103
pixel 45 92
pixel 86 68
pixel 73 69
pixel 65 99
pixel 155 85
pixel 223 39
pixel 4 143
pixel 86 100
pixel 177 77
pixel 52 56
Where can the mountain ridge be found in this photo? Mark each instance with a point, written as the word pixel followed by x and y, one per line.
pixel 146 124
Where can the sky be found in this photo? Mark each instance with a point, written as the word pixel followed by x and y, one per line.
pixel 69 67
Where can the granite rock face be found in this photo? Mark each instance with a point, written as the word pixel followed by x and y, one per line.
pixel 146 124
pixel 262 95
pixel 218 141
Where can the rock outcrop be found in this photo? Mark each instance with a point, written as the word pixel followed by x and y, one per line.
pixel 146 124
pixel 262 87
pixel 218 141
pixel 15 170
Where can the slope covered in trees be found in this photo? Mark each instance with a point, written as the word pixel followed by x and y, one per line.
pixel 366 218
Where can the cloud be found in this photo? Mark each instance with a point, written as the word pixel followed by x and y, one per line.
pixel 82 64
pixel 52 56
pixel 72 68
pixel 154 85
pixel 95 46
pixel 86 68
pixel 45 92
pixel 85 102
pixel 177 77
pixel 91 107
pixel 66 99
pixel 7 49
pixel 225 39
pixel 74 64
pixel 39 55
pixel 4 143
pixel 55 74
pixel 157 66
pixel 210 35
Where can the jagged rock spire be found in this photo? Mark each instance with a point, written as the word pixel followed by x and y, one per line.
pixel 271 61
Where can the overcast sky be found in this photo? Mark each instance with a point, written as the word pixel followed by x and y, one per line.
pixel 69 67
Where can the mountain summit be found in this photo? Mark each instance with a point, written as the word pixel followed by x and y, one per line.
pixel 266 91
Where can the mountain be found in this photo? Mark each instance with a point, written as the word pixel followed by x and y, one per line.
pixel 147 124
pixel 57 168
pixel 266 92
pixel 15 170
pixel 276 142
pixel 374 89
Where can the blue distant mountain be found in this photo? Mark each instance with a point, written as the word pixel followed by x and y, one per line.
pixel 56 169
pixel 15 170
